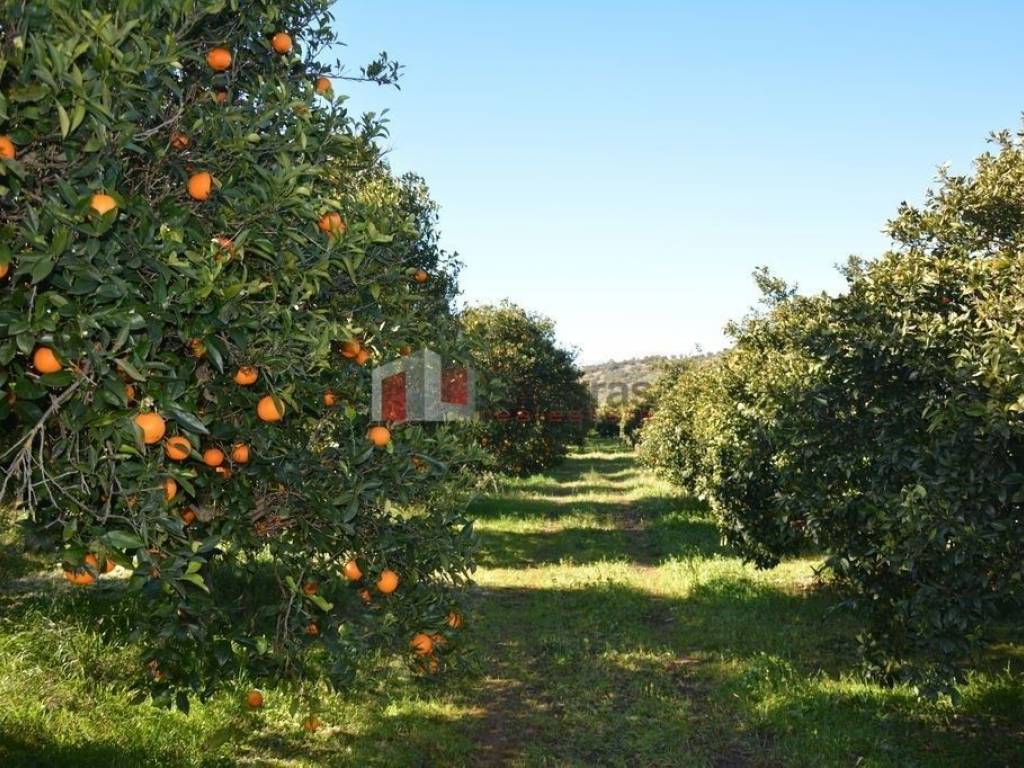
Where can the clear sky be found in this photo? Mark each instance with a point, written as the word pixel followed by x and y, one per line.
pixel 623 166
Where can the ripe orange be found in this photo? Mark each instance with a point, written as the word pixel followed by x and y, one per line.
pixel 225 242
pixel 79 577
pixel 351 348
pixel 108 565
pixel 405 351
pixel 225 473
pixel 364 595
pixel 188 515
pixel 311 724
pixel 421 644
pixel 129 392
pixel 388 581
pixel 240 453
pixel 282 42
pixel 198 348
pixel 310 588
pixel 213 457
pixel 102 203
pixel 4 268
pixel 7 151
pixel 254 699
pixel 429 665
pixel 153 427
pixel 218 59
pixel 45 361
pixel 312 629
pixel 178 448
pixel 420 276
pixel 454 619
pixel 199 185
pixel 170 489
pixel 179 141
pixel 269 410
pixel 352 571
pixel 331 223
pixel 324 85
pixel 330 399
pixel 379 436
pixel 363 357
pixel 220 96
pixel 246 376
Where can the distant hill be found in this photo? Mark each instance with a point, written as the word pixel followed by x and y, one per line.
pixel 618 379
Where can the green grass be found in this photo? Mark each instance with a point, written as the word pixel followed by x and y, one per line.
pixel 608 628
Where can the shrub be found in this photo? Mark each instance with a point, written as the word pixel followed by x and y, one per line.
pixel 202 419
pixel 538 405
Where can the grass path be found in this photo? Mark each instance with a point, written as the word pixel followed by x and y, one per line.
pixel 608 628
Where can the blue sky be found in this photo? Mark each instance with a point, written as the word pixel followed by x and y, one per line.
pixel 623 167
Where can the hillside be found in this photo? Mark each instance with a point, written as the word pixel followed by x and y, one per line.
pixel 619 379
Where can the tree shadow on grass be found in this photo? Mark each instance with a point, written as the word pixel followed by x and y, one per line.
pixel 577 664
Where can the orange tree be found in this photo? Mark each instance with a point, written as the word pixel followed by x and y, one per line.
pixel 537 404
pixel 884 426
pixel 201 255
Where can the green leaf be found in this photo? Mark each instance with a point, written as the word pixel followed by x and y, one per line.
pixel 187 420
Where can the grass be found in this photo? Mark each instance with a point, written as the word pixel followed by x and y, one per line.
pixel 609 628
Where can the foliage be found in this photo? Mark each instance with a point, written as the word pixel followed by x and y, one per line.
pixel 153 307
pixel 538 404
pixel 884 425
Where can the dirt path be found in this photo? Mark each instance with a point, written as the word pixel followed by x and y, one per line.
pixel 584 661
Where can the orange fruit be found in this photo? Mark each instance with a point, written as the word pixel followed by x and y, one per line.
pixel 324 85
pixel 7 151
pixel 282 42
pixel 429 664
pixel 269 410
pixel 364 595
pixel 213 457
pixel 240 453
pixel 379 436
pixel 218 59
pixel 170 489
pixel 153 427
pixel 102 203
pixel 225 473
pixel 198 348
pixel 351 348
pixel 129 391
pixel 179 141
pixel 254 699
pixel 331 223
pixel 439 639
pixel 454 619
pixel 178 448
pixel 108 565
pixel 405 351
pixel 312 629
pixel 352 571
pixel 388 581
pixel 420 276
pixel 363 357
pixel 310 588
pixel 246 376
pixel 79 577
pixel 188 515
pixel 421 644
pixel 45 361
pixel 199 185
pixel 311 724
pixel 220 96
pixel 4 269
pixel 225 242
pixel 330 399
